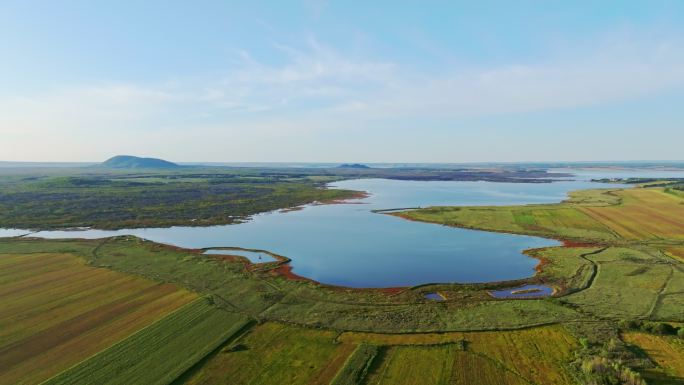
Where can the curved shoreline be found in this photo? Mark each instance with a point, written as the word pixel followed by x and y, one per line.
pixel 284 268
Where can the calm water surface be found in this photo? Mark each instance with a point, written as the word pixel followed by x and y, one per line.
pixel 348 245
pixel 535 291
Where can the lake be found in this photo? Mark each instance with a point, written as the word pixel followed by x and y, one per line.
pixel 348 245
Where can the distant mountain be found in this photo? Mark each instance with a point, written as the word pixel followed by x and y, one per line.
pixel 352 165
pixel 127 161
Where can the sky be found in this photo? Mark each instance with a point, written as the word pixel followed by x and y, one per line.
pixel 342 81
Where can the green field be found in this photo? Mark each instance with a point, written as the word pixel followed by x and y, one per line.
pixel 161 352
pixel 55 311
pixel 274 354
pixel 536 355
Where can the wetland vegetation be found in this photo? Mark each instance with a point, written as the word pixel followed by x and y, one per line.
pixel 128 310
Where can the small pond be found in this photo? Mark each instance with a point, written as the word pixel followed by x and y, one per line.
pixel 527 291
pixel 434 297
pixel 13 232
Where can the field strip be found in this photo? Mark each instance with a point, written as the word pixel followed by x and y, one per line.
pixel 56 311
pixel 502 366
pixel 659 296
pixel 356 366
pixel 161 352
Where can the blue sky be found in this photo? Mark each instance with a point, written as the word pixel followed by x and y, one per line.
pixel 380 81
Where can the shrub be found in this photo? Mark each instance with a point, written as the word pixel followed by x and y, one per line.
pixel 629 324
pixel 584 342
pixel 660 328
pixel 601 370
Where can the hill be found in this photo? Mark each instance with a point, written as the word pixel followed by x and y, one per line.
pixel 353 165
pixel 127 161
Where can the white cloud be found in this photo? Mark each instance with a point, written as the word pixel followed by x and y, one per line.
pixel 318 93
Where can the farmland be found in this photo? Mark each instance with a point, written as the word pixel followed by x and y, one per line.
pixel 536 355
pixel 602 216
pixel 274 353
pixel 125 310
pixel 666 352
pixel 161 352
pixel 55 311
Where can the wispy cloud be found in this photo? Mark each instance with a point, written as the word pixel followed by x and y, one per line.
pixel 323 80
pixel 316 89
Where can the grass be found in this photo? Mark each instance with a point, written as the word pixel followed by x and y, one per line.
pixel 590 215
pixel 554 221
pixel 562 267
pixel 356 366
pixel 160 353
pixel 475 369
pixel 414 365
pixel 537 355
pixel 667 352
pixel 627 285
pixel 274 353
pixel 56 311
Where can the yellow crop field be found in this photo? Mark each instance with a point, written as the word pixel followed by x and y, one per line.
pixel 666 351
pixel 537 355
pixel 643 214
pixel 55 311
pixel 677 253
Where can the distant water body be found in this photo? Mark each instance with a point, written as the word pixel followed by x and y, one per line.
pixel 348 245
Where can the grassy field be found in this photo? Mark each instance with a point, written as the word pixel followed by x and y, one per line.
pixel 606 216
pixel 666 352
pixel 627 285
pixel 160 353
pixel 537 355
pixel 278 353
pixel 414 365
pixel 274 353
pixel 565 221
pixel 55 311
pixel 356 366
